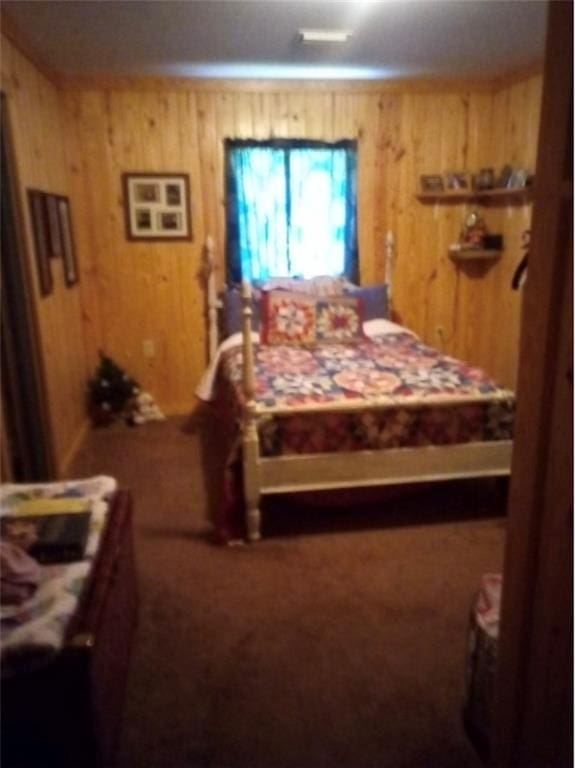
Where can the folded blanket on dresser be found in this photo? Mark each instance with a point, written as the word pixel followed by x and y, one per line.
pixel 33 631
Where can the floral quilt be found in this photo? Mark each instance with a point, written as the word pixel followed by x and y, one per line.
pixel 384 391
pixel 387 391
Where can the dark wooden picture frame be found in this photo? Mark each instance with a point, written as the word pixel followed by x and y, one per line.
pixel 39 220
pixel 71 276
pixel 54 229
pixel 157 206
pixel 432 183
pixel 457 180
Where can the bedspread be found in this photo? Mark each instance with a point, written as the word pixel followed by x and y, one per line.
pixel 387 391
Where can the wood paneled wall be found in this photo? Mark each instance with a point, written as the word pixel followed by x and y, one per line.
pixel 466 308
pixel 38 134
pixel 133 292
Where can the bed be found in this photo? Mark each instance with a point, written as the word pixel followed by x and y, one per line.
pixel 359 404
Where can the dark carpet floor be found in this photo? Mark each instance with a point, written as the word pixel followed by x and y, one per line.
pixel 338 641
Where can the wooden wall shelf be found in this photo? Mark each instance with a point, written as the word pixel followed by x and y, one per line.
pixel 474 253
pixel 520 195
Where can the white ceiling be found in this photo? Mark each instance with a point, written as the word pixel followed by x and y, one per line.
pixel 258 38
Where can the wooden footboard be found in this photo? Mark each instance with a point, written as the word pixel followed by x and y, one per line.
pixel 324 471
pixel 269 475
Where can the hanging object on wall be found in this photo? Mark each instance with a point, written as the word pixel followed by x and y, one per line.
pixel 39 219
pixel 54 232
pixel 520 274
pixel 53 237
pixel 71 276
pixel 157 206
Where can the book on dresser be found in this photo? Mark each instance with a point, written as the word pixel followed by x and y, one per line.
pixel 50 530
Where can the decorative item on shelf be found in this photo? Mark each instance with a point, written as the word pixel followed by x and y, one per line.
pixel 432 183
pixel 475 242
pixel 493 242
pixel 484 180
pixel 503 179
pixel 473 231
pixel 456 180
pixel 518 179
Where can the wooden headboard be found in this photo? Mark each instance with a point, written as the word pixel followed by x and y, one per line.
pixel 214 304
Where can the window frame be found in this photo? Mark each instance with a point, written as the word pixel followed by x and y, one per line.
pixel 351 256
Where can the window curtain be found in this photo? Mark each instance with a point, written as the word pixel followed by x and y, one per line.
pixel 291 209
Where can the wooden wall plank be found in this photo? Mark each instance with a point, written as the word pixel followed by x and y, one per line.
pixel 133 291
pixel 37 122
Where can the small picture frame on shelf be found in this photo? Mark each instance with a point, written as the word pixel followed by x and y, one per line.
pixel 484 180
pixel 456 180
pixel 517 179
pixel 157 206
pixel 431 183
pixel 504 177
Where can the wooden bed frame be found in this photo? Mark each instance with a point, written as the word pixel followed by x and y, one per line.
pixel 311 472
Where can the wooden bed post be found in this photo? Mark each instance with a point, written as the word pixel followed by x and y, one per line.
pixel 389 264
pixel 213 303
pixel 250 442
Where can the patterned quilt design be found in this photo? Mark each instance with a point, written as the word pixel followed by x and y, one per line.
pixel 412 395
pixel 34 631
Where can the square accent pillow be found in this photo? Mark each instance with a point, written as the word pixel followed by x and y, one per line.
pixel 233 310
pixel 374 301
pixel 339 319
pixel 287 318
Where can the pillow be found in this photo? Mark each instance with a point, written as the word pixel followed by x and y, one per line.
pixel 233 308
pixel 290 318
pixel 339 319
pixel 287 318
pixel 374 300
pixel 323 285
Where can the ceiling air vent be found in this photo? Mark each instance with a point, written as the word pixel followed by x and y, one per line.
pixel 324 35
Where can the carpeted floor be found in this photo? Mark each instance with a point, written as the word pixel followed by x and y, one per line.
pixel 338 641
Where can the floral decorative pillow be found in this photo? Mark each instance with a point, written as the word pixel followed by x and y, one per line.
pixel 287 318
pixel 339 319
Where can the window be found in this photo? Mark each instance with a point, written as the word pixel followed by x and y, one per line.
pixel 291 209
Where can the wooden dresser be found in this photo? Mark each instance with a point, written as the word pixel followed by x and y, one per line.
pixel 68 713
